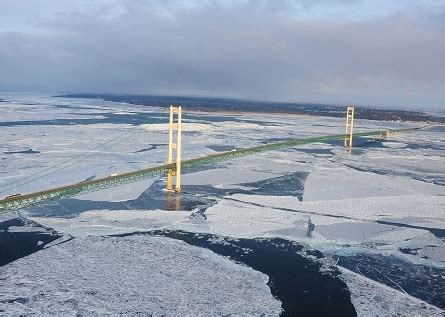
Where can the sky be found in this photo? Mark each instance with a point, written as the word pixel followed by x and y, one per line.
pixel 361 52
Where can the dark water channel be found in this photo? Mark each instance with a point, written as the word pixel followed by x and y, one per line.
pixel 424 282
pixel 18 243
pixel 191 197
pixel 297 276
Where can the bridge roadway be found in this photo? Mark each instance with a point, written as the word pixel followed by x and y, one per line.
pixel 26 200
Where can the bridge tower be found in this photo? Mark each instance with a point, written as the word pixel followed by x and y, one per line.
pixel 349 126
pixel 174 169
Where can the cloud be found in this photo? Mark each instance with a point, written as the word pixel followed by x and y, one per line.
pixel 273 50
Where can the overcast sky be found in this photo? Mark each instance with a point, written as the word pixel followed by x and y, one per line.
pixel 373 52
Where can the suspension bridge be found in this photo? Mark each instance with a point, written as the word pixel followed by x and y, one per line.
pixel 173 168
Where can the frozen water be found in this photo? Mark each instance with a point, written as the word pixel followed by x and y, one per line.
pixel 121 193
pixel 132 275
pixel 374 299
pixel 385 198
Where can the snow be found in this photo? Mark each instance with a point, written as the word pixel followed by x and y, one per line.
pixel 86 142
pixel 132 275
pixel 109 222
pixel 429 207
pixel 419 155
pixel 399 180
pixel 25 229
pixel 266 218
pixel 235 175
pixel 119 193
pixel 329 181
pixel 374 299
pixel 241 219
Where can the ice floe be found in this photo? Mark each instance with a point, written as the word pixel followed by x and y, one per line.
pixel 374 299
pixel 385 198
pixel 132 275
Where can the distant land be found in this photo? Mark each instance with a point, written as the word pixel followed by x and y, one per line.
pixel 237 105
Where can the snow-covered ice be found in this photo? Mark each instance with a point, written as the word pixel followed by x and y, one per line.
pixel 374 299
pixel 386 197
pixel 132 275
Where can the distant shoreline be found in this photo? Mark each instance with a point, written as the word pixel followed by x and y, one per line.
pixel 236 106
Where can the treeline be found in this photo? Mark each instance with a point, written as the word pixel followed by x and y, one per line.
pixel 238 105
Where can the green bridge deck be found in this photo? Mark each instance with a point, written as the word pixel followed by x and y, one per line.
pixel 22 201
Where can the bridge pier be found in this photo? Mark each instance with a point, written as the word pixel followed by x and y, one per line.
pixel 173 203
